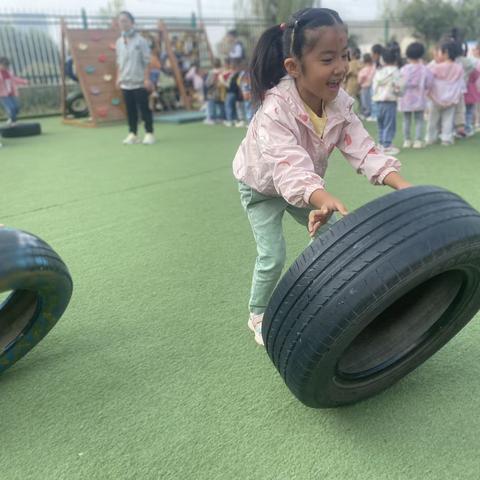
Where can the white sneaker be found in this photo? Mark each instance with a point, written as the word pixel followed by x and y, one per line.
pixel 446 144
pixel 391 150
pixel 209 122
pixel 371 119
pixel 131 139
pixel 418 144
pixel 255 325
pixel 9 122
pixel 407 144
pixel 228 124
pixel 149 139
pixel 240 124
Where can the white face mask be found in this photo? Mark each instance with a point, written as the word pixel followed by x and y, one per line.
pixel 129 33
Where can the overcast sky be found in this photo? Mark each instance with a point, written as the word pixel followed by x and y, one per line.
pixel 348 9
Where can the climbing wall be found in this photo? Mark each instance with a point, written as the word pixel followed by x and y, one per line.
pixel 93 53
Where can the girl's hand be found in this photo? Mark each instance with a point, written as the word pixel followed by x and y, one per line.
pixel 327 205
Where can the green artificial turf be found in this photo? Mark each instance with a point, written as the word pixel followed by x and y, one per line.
pixel 152 372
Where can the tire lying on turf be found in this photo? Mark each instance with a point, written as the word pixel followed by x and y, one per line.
pixel 22 130
pixel 76 105
pixel 375 296
pixel 40 287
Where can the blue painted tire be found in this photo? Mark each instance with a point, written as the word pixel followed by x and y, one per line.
pixel 40 286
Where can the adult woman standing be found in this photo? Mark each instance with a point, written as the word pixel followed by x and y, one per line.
pixel 133 59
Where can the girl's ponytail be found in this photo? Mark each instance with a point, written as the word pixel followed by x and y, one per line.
pixel 283 41
pixel 267 62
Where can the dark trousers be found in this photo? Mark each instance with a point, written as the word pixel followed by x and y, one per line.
pixel 136 100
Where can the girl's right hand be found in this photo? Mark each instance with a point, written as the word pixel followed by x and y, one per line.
pixel 327 205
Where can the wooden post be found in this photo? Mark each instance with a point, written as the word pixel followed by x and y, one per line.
pixel 210 51
pixel 175 67
pixel 63 87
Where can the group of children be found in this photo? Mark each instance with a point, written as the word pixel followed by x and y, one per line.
pixel 445 92
pixel 228 94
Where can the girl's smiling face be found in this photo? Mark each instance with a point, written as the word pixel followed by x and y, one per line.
pixel 323 66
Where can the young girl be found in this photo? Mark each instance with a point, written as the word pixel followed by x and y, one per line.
pixel 417 80
pixel 472 99
pixel 365 80
pixel 387 87
pixel 9 91
pixel 446 91
pixel 297 70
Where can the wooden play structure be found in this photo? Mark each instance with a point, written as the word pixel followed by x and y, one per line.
pixel 93 54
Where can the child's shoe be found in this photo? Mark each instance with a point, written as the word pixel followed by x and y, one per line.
pixel 447 144
pixel 240 124
pixel 255 325
pixel 228 124
pixel 391 150
pixel 131 139
pixel 149 139
pixel 418 144
pixel 407 144
pixel 209 122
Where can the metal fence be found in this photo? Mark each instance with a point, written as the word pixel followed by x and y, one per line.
pixel 32 44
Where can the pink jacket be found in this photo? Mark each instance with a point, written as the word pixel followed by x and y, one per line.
pixel 282 155
pixel 448 84
pixel 473 93
pixel 4 91
pixel 365 76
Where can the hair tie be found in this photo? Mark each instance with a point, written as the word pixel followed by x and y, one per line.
pixel 283 27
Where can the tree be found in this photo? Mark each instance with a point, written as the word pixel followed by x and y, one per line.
pixel 112 9
pixel 272 11
pixel 429 18
pixel 469 12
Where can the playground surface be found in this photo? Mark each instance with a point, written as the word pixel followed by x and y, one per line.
pixel 152 372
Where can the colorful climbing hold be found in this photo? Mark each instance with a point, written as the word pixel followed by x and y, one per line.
pixel 96 37
pixel 107 77
pixel 102 111
pixel 112 46
pixel 115 101
pixel 90 69
pixel 102 58
pixel 95 91
pixel 82 46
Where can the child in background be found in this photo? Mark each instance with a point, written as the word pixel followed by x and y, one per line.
pixel 387 87
pixel 9 91
pixel 417 80
pixel 365 80
pixel 195 76
pixel 155 68
pixel 446 91
pixel 351 84
pixel 472 99
pixel 377 50
pixel 303 114
pixel 215 100
pixel 476 56
pixel 245 84
pixel 230 78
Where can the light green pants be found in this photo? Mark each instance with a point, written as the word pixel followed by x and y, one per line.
pixel 265 215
